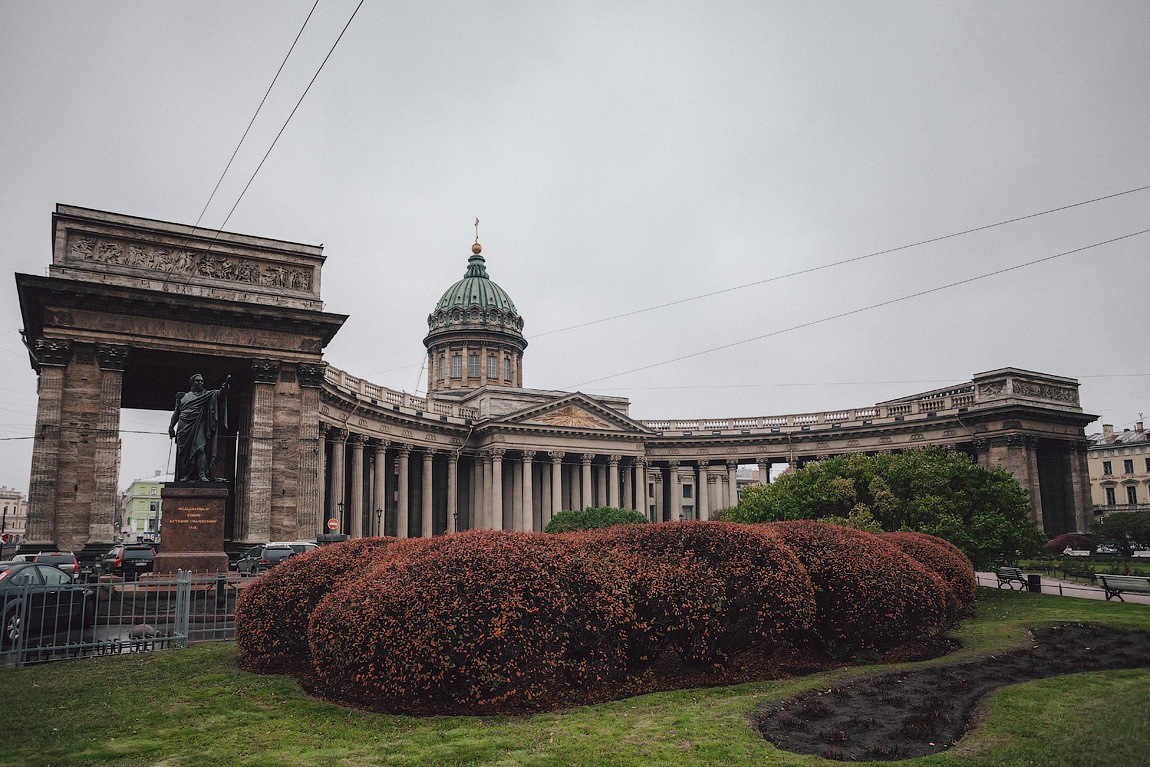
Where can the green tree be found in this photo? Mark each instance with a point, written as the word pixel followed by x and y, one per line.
pixel 590 518
pixel 982 511
pixel 1123 530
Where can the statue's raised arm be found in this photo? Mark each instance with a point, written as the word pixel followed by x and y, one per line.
pixel 198 417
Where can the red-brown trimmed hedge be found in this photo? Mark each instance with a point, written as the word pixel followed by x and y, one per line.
pixel 869 594
pixel 946 559
pixel 273 611
pixel 707 590
pixel 475 619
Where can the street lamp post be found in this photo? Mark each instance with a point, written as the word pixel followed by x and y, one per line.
pixel 379 522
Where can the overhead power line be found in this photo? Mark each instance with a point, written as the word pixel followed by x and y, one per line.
pixel 254 116
pixel 857 311
pixel 292 114
pixel 837 263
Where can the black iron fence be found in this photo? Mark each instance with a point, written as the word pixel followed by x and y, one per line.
pixel 83 620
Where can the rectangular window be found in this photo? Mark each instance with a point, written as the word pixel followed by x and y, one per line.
pixel 492 368
pixel 1131 494
pixel 1148 465
pixel 650 489
pixel 1110 497
pixel 152 507
pixel 1107 468
pixel 688 491
pixel 688 512
pixel 456 366
pixel 442 367
pixel 506 368
pixel 473 365
pixel 1128 466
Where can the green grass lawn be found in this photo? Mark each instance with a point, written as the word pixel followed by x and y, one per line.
pixel 196 707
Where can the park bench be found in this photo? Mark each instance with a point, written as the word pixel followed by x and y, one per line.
pixel 1114 585
pixel 1009 575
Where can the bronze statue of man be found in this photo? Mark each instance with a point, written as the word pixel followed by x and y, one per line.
pixel 196 423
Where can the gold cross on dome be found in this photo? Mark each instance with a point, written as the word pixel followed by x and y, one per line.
pixel 477 231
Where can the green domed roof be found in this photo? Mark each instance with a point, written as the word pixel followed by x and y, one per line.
pixel 476 289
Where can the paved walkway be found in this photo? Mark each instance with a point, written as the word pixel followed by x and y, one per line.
pixel 1059 588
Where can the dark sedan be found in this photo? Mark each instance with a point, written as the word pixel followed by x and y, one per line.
pixel 40 600
pixel 260 558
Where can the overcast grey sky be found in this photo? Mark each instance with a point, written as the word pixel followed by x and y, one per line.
pixel 622 155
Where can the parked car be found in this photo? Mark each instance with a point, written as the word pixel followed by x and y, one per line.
pixel 39 599
pixel 260 558
pixel 299 547
pixel 127 561
pixel 65 560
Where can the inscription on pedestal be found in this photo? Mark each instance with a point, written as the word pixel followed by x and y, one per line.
pixel 192 531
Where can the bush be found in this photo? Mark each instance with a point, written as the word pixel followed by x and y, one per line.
pixel 1076 541
pixel 948 561
pixel 592 518
pixel 869 594
pixel 473 620
pixel 273 611
pixel 707 590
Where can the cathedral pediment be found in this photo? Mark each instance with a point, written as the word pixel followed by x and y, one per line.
pixel 574 411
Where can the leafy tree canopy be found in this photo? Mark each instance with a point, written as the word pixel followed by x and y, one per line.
pixel 1124 530
pixel 596 516
pixel 984 512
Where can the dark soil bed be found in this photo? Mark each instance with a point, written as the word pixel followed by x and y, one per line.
pixel 900 715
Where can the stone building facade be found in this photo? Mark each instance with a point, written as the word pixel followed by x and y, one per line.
pixel 131 306
pixel 1119 465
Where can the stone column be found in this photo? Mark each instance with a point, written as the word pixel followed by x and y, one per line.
pixel 628 489
pixel 309 494
pixel 585 495
pixel 52 356
pixel 613 480
pixel 1031 447
pixel 659 497
pixel 335 508
pixel 102 519
pixel 453 491
pixel 545 496
pixel 732 483
pixel 1080 486
pixel 427 512
pixel 702 491
pixel 379 487
pixel 355 504
pixel 254 506
pixel 479 476
pixel 642 504
pixel 982 452
pixel 527 521
pixel 497 488
pixel 516 496
pixel 403 497
pixel 676 491
pixel 765 471
pixel 556 482
pixel 321 431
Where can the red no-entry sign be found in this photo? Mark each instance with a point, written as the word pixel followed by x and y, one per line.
pixel 332 524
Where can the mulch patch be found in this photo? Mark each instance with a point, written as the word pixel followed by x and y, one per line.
pixel 905 714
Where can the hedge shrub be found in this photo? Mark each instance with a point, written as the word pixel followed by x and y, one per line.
pixel 273 611
pixel 707 590
pixel 946 559
pixel 475 619
pixel 869 594
pixel 592 518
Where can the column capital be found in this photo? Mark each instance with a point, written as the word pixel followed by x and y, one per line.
pixel 1015 440
pixel 732 463
pixel 453 456
pixel 497 453
pixel 112 356
pixel 556 456
pixel 355 439
pixel 674 464
pixel 981 445
pixel 428 452
pixel 265 371
pixel 528 455
pixel 51 351
pixel 403 449
pixel 713 480
pixel 311 374
pixel 380 445
pixel 613 460
pixel 586 458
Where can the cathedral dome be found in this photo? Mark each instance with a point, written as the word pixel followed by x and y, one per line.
pixel 474 334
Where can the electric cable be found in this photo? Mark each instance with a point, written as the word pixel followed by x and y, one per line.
pixel 844 261
pixel 856 311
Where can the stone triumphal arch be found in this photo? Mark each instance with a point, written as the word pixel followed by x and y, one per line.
pixel 131 306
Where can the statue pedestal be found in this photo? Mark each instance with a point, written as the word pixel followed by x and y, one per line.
pixel 192 528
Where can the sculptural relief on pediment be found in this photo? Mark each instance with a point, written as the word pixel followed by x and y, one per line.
pixel 572 416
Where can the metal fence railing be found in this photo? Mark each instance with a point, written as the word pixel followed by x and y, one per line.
pixel 83 620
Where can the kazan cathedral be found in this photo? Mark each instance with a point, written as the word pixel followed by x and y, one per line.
pixel 131 306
